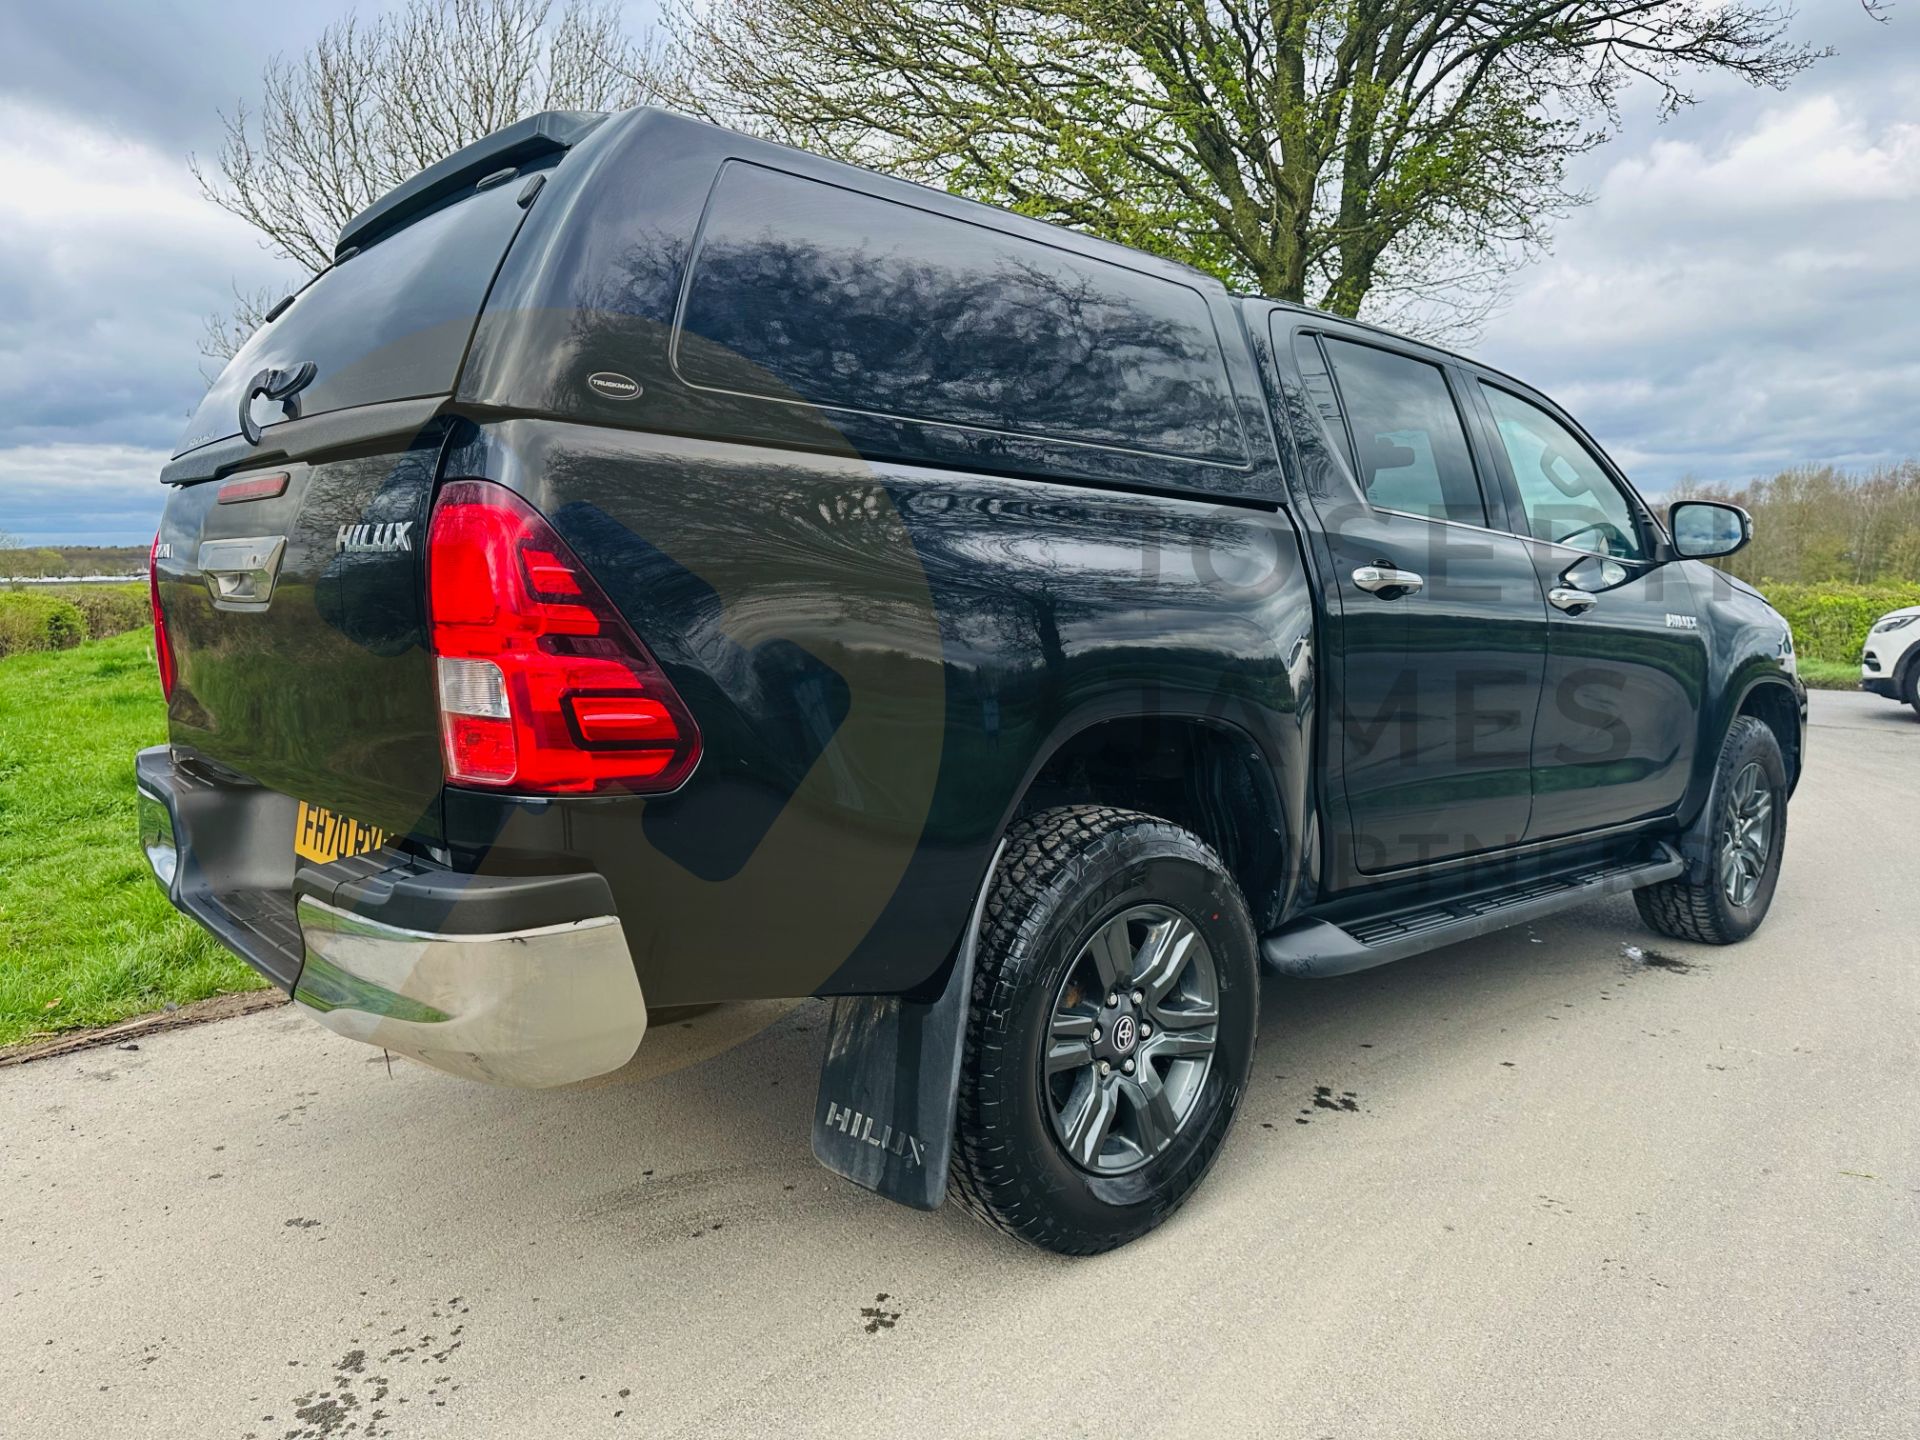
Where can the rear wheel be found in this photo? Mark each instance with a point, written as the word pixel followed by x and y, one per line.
pixel 1111 1030
pixel 1749 833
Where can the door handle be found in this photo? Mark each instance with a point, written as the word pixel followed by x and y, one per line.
pixel 1574 602
pixel 1387 582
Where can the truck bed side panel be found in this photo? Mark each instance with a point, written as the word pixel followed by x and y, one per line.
pixel 879 658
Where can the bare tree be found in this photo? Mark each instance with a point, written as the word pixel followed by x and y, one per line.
pixel 1397 153
pixel 371 104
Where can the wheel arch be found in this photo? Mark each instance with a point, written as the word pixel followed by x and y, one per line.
pixel 1906 670
pixel 1200 772
pixel 1775 704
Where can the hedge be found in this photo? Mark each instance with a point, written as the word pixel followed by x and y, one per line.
pixel 30 621
pixel 56 619
pixel 110 609
pixel 1830 620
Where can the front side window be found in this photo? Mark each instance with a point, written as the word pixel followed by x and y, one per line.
pixel 1410 449
pixel 1569 498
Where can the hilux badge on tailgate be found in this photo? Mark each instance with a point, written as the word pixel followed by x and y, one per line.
pixel 394 536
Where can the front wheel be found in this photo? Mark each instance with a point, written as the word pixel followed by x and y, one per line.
pixel 1111 1029
pixel 1749 835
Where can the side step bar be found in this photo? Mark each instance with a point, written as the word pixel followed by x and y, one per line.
pixel 1316 948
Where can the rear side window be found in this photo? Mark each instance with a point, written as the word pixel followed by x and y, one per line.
pixel 1410 448
pixel 804 291
pixel 390 323
pixel 1319 384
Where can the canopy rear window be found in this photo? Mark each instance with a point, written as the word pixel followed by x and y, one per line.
pixel 388 323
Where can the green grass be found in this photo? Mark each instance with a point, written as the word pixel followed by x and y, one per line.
pixel 86 937
pixel 1828 674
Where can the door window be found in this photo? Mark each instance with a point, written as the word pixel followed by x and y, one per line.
pixel 1569 497
pixel 1409 447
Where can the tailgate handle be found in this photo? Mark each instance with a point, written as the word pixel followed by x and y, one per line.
pixel 240 573
pixel 281 385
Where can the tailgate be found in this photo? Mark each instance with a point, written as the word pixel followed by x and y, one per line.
pixel 297 622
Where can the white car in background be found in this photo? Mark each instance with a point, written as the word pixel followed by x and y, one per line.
pixel 1890 665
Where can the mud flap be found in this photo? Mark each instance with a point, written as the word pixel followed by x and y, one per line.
pixel 889 1084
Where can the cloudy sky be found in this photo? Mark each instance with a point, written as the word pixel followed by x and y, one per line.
pixel 1742 294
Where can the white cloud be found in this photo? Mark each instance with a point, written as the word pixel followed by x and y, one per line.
pixel 80 493
pixel 1813 153
pixel 109 263
pixel 1733 306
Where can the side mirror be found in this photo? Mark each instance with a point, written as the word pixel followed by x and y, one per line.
pixel 1706 529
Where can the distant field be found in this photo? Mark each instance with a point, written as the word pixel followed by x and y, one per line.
pixel 86 937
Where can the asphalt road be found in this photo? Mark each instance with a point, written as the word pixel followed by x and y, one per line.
pixel 1578 1196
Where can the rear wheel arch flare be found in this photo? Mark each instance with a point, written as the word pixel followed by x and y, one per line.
pixel 1205 775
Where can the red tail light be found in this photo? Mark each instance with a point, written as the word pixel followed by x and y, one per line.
pixel 543 686
pixel 162 647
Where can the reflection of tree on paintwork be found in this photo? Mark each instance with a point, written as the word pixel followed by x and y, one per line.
pixel 998 333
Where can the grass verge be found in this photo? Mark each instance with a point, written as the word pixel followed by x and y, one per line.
pixel 1828 674
pixel 86 938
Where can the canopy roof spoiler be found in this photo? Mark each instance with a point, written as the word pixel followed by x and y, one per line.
pixel 548 133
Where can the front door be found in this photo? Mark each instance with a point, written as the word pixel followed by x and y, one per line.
pixel 1626 651
pixel 1441 625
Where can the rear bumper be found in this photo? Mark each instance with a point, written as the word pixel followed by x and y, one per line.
pixel 516 980
pixel 534 1007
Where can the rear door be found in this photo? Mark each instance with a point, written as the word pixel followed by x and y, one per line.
pixel 1441 626
pixel 1626 655
pixel 291 570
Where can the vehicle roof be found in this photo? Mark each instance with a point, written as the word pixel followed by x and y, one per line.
pixel 653 122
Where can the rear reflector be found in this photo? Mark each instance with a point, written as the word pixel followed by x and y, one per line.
pixel 260 487
pixel 162 647
pixel 543 686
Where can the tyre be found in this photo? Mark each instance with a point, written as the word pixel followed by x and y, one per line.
pixel 1115 1000
pixel 1748 833
pixel 1912 687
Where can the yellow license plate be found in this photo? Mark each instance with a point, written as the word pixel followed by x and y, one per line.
pixel 323 836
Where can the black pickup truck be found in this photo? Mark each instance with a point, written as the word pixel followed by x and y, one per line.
pixel 653 567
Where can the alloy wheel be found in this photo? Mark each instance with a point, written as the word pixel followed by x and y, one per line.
pixel 1131 1039
pixel 1748 836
